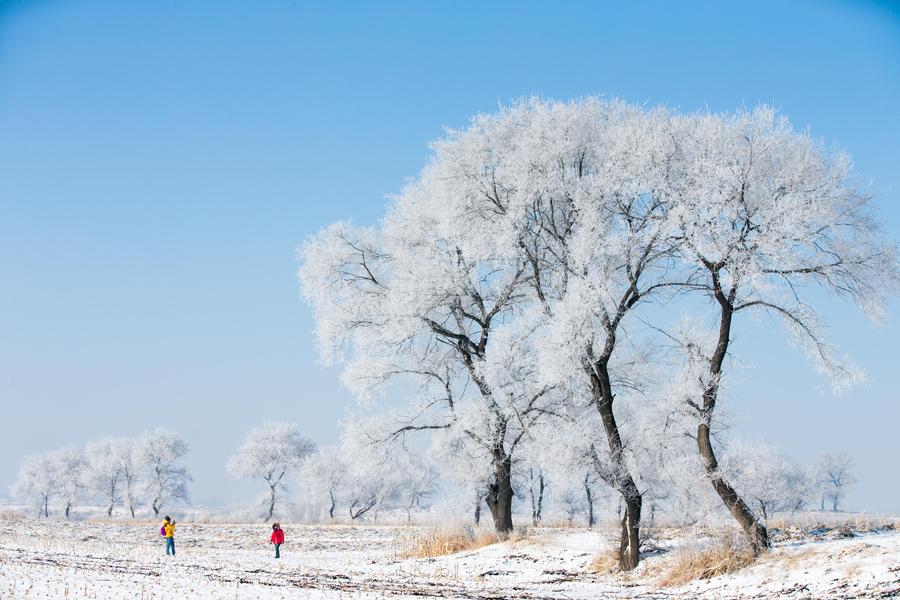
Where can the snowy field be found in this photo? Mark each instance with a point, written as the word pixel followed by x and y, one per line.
pixel 55 559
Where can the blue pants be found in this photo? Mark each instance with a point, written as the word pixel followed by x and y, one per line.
pixel 277 550
pixel 170 546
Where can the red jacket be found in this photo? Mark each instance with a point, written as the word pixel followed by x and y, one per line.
pixel 277 536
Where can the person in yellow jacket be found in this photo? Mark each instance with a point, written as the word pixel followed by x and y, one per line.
pixel 168 530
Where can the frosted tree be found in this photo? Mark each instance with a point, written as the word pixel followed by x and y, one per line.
pixel 835 474
pixel 766 214
pixel 324 474
pixel 270 453
pixel 416 482
pixel 769 481
pixel 157 456
pixel 103 475
pixel 575 192
pixel 68 472
pixel 131 474
pixel 537 485
pixel 35 483
pixel 411 307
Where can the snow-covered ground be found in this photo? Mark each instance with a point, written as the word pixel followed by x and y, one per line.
pixel 55 559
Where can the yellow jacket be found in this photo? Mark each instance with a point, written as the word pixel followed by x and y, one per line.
pixel 170 529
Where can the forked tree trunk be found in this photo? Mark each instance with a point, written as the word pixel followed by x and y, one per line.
pixel 621 479
pixel 754 531
pixel 500 494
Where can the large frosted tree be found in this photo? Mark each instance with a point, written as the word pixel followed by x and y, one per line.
pixel 767 217
pixel 409 306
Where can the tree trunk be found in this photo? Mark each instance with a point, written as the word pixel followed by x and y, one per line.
pixel 630 540
pixel 754 531
pixel 46 506
pixel 536 501
pixel 500 495
pixel 477 508
pixel 109 510
pixel 68 507
pixel 271 504
pixel 590 502
pixel 331 508
pixel 620 479
pixel 834 503
pixel 131 508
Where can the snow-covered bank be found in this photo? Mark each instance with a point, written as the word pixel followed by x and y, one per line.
pixel 53 559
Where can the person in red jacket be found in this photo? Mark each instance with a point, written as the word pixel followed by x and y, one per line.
pixel 277 538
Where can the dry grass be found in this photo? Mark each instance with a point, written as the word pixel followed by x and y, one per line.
pixel 605 563
pixel 13 516
pixel 724 556
pixel 444 541
pixel 790 560
pixel 857 522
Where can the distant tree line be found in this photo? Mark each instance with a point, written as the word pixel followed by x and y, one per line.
pixel 121 473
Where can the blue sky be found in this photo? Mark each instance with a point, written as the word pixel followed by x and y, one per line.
pixel 160 162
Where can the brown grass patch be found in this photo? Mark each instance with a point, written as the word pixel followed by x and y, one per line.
pixel 10 515
pixel 723 557
pixel 605 563
pixel 444 541
pixel 790 560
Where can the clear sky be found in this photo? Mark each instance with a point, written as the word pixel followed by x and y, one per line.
pixel 161 161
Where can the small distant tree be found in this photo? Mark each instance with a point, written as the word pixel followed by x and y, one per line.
pixel 536 487
pixel 835 474
pixel 415 481
pixel 103 473
pixel 68 466
pixel 157 456
pixel 769 481
pixel 324 473
pixel 366 488
pixel 35 484
pixel 271 452
pixel 131 474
